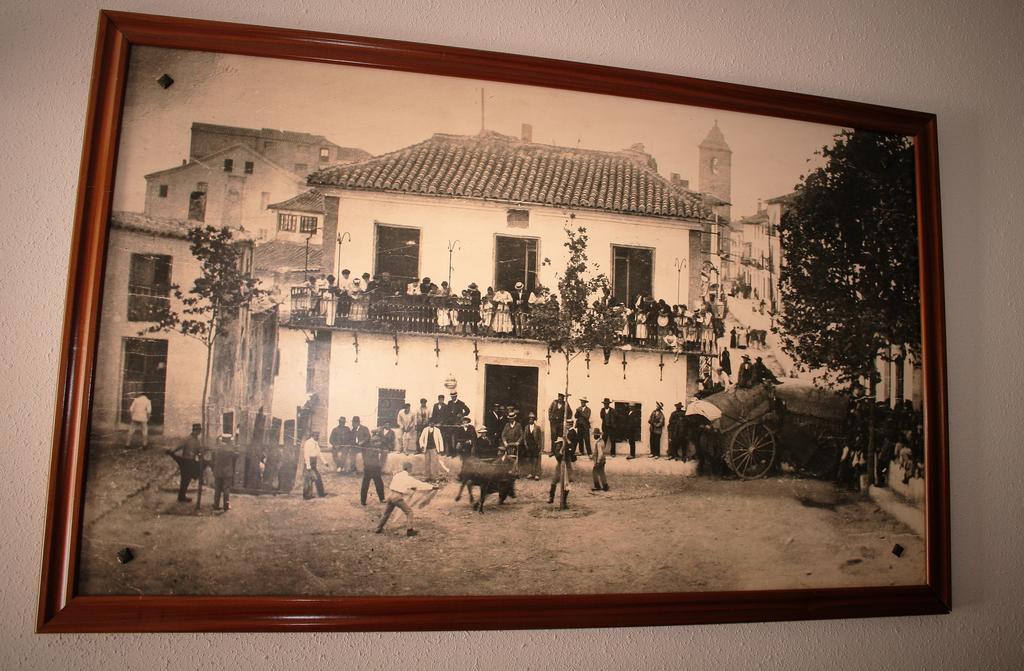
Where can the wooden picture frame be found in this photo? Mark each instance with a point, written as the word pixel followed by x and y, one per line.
pixel 63 609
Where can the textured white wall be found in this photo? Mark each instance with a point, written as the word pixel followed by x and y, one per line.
pixel 962 61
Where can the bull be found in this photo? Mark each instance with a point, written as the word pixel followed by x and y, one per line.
pixel 492 476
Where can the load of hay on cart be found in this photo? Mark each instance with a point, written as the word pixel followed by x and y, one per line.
pixel 758 429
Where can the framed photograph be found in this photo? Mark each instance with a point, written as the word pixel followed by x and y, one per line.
pixel 373 335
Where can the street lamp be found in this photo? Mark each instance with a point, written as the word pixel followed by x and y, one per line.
pixel 341 241
pixel 452 246
pixel 679 265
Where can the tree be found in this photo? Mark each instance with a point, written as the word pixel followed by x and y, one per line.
pixel 580 320
pixel 850 286
pixel 217 295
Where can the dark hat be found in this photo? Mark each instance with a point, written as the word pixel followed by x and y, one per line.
pixel 423 400
pixel 197 427
pixel 679 404
pixel 660 405
pixel 747 357
pixel 606 400
pixel 561 395
pixel 472 285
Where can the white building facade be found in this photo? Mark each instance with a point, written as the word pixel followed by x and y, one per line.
pixel 492 210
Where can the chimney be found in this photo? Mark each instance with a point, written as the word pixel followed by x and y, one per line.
pixel 527 133
pixel 677 180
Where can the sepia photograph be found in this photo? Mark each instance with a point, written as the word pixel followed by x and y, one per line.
pixel 366 332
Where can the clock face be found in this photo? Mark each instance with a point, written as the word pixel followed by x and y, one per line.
pixel 714 165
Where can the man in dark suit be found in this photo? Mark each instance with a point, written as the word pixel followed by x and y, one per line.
pixel 558 412
pixel 494 420
pixel 188 462
pixel 534 440
pixel 583 426
pixel 454 413
pixel 677 433
pixel 609 428
pixel 632 427
pixel 438 411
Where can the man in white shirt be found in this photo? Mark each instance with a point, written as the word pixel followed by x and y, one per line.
pixel 310 461
pixel 139 412
pixel 432 444
pixel 406 422
pixel 402 485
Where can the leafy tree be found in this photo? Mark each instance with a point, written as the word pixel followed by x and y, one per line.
pixel 850 286
pixel 580 320
pixel 214 300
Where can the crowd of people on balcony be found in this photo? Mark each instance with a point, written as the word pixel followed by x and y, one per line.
pixel 423 306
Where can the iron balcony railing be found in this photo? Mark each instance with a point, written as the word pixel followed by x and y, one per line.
pixel 451 315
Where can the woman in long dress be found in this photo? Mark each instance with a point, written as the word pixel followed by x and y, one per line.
pixel 641 325
pixel 360 301
pixel 487 310
pixel 502 320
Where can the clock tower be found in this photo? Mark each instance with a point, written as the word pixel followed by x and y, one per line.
pixel 715 174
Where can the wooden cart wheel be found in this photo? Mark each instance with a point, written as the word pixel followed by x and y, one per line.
pixel 751 452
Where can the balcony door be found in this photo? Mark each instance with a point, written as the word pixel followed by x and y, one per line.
pixel 632 273
pixel 515 260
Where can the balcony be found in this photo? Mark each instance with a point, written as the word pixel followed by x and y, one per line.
pixel 452 316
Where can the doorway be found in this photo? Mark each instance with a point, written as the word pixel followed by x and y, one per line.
pixel 144 372
pixel 511 385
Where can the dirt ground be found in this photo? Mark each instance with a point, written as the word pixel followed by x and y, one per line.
pixel 653 532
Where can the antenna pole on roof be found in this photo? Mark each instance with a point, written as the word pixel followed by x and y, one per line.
pixel 482 127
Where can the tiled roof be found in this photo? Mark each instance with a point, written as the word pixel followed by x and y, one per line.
pixel 163 227
pixel 158 226
pixel 283 256
pixel 759 218
pixel 784 199
pixel 491 166
pixel 307 201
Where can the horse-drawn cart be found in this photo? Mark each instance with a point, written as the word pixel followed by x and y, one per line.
pixel 759 428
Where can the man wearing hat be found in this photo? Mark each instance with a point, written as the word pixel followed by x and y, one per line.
pixel 454 413
pixel 519 307
pixel 609 428
pixel 632 427
pixel 340 440
pixel 422 417
pixel 583 426
pixel 188 462
pixel 494 420
pixel 558 412
pixel 473 313
pixel 657 423
pixel 533 439
pixel 677 433
pixel 745 375
pixel 464 439
pixel 224 456
pixel 439 410
pixel 512 438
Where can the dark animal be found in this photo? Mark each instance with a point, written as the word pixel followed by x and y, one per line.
pixel 492 476
pixel 757 337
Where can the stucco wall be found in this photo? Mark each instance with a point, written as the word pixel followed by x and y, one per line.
pixel 960 60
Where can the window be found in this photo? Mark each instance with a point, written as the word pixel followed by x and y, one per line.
pixel 900 379
pixel 197 203
pixel 307 225
pixel 149 286
pixel 144 372
pixel 163 190
pixel 325 154
pixel 389 402
pixel 229 165
pixel 515 260
pixel 287 222
pixel 249 167
pixel 301 167
pixel 519 218
pixel 397 252
pixel 632 270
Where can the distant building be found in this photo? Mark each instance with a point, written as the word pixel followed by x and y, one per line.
pixel 233 174
pixel 714 181
pixel 505 201
pixel 145 257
